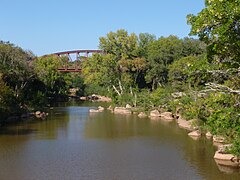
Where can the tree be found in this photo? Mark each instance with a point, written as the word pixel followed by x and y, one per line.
pixel 144 39
pixel 218 25
pixel 192 47
pixel 46 70
pixel 161 53
pixel 119 44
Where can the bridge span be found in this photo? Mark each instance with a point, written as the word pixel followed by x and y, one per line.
pixel 74 58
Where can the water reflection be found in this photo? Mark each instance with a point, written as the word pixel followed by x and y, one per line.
pixel 73 144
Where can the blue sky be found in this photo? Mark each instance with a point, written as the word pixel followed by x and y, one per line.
pixel 48 26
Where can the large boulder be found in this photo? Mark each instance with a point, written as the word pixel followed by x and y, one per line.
pixel 226 159
pixel 188 125
pixel 155 113
pixel 122 110
pixel 167 116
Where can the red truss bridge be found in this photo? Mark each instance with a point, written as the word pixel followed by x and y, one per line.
pixel 72 59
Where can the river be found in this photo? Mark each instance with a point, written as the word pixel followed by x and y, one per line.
pixel 73 144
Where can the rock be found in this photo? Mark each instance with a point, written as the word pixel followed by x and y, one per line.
pixel 100 108
pixel 43 115
pixel 218 139
pixel 188 125
pixel 122 110
pixel 167 116
pixel 195 134
pixel 128 106
pixel 93 110
pixel 155 113
pixel 110 108
pixel 142 115
pixel 209 135
pixel 37 113
pixel 226 159
pixel 83 98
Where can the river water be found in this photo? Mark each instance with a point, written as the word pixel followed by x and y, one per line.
pixel 73 144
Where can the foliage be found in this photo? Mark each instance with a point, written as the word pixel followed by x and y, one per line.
pixel 190 70
pixel 46 70
pixel 218 26
pixel 161 53
pixel 119 44
pixel 8 103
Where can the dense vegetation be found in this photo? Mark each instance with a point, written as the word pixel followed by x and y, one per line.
pixel 198 78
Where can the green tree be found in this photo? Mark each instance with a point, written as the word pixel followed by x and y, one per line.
pixel 119 44
pixel 144 39
pixel 218 26
pixel 46 70
pixel 161 53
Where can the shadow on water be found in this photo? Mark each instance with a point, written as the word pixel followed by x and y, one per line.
pixel 16 132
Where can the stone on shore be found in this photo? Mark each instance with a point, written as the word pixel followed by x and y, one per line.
pixel 167 116
pixel 226 159
pixel 195 134
pixel 155 113
pixel 94 110
pixel 142 115
pixel 100 108
pixel 218 139
pixel 122 110
pixel 128 106
pixel 209 135
pixel 110 108
pixel 188 125
pixel 37 113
